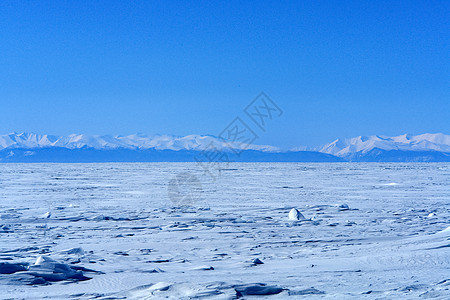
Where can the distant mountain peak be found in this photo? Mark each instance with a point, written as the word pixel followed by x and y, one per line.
pixel 405 142
pixel 421 147
pixel 107 142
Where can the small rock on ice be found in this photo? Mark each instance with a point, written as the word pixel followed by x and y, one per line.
pixel 295 215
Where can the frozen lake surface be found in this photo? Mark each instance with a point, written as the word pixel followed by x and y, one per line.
pixel 111 231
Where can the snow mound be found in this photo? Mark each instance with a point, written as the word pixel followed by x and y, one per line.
pixel 257 289
pixel 50 270
pixel 343 206
pixel 295 215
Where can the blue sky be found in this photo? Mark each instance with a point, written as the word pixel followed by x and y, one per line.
pixel 336 68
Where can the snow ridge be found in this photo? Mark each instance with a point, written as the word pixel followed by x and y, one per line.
pixel 424 142
pixel 345 148
pixel 134 141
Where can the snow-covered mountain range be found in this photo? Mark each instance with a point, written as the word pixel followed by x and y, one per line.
pixel 108 142
pixel 31 147
pixel 361 145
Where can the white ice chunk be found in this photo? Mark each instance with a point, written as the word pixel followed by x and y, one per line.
pixel 295 215
pixel 46 215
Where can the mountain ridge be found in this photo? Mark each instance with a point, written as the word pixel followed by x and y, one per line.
pixel 363 144
pixel 32 147
pixel 134 141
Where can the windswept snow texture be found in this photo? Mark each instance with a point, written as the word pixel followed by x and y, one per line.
pixel 109 231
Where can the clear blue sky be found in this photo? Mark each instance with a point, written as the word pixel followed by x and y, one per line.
pixel 336 68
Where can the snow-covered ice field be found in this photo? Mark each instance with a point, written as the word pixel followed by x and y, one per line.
pixel 110 231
